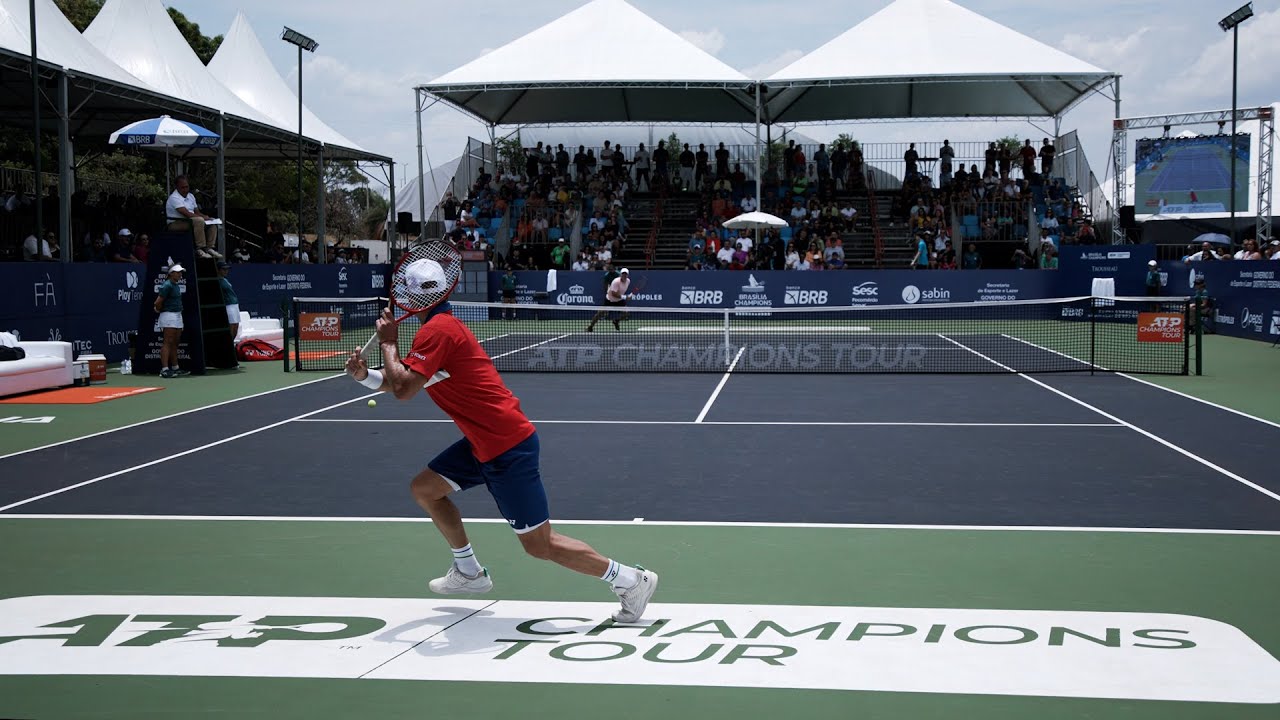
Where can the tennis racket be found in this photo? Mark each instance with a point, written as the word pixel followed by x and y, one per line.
pixel 423 279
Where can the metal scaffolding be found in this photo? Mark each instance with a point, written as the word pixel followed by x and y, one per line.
pixel 1266 157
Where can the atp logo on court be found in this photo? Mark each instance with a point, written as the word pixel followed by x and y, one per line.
pixel 1088 654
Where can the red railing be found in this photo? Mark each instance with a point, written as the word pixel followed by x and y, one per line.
pixel 875 219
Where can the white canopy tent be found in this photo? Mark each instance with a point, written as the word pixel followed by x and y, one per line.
pixel 604 62
pixel 930 59
pixel 434 185
pixel 141 37
pixel 242 65
pixel 60 43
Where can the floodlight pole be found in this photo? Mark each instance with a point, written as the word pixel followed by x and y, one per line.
pixel 35 130
pixel 1232 23
pixel 303 42
pixel 1235 64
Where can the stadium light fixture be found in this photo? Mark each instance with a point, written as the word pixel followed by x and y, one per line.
pixel 1231 23
pixel 293 37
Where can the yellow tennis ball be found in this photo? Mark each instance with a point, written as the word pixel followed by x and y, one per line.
pixel 373 403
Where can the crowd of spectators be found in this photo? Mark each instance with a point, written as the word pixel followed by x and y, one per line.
pixel 1250 249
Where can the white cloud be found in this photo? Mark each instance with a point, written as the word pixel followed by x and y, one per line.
pixel 712 41
pixel 1206 80
pixel 1109 53
pixel 768 67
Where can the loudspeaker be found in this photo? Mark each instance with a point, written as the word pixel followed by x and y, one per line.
pixel 1127 220
pixel 405 224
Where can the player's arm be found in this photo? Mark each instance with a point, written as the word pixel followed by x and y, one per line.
pixel 394 377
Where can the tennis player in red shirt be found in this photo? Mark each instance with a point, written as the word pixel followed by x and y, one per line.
pixel 498 449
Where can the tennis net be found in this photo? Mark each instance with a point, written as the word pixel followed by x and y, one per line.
pixel 1140 335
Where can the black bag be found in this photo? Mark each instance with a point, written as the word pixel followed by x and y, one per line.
pixel 11 353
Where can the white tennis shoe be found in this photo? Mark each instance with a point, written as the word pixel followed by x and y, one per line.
pixel 636 598
pixel 455 582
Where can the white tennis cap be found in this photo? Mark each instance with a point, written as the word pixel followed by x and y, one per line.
pixel 176 268
pixel 1152 263
pixel 425 275
pixel 624 271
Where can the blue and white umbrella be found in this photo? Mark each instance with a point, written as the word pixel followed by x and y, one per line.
pixel 166 132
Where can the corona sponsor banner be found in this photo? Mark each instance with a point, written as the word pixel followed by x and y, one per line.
pixel 1124 655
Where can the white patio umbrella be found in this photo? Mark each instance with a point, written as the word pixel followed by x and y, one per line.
pixel 1213 238
pixel 755 221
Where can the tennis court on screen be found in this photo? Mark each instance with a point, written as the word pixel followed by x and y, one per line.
pixel 898 545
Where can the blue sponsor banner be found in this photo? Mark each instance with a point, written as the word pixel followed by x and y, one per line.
pixel 96 305
pixel 1078 265
pixel 1246 295
pixel 779 289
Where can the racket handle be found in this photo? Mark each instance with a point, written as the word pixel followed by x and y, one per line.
pixel 373 342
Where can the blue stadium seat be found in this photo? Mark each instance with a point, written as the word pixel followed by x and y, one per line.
pixel 555 233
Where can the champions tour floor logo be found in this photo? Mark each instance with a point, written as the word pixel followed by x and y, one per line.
pixel 1131 655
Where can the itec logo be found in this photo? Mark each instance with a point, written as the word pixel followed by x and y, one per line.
pixel 694 296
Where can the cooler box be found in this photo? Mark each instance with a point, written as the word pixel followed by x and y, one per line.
pixel 97 368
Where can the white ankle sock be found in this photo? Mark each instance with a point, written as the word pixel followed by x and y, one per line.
pixel 465 558
pixel 620 576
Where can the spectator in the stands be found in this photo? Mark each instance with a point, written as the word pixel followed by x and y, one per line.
pixel 45 250
pixel 301 256
pixel 640 161
pixel 183 213
pixel 1086 234
pixel 687 163
pixel 1249 251
pixel 560 255
pixel 1048 257
pixel 738 179
pixel 792 257
pixel 142 247
pixel 947 257
pixel 122 248
pixel 749 204
pixel 1273 250
pixel 912 159
pixel 1021 260
pixel 582 263
pixel 972 259
pixel 277 254
pixel 946 156
pixel 1028 155
pixel 725 256
pixel 833 249
pixel 722 161
pixel 1047 152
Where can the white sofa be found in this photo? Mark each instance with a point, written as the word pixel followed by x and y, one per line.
pixel 261 328
pixel 47 365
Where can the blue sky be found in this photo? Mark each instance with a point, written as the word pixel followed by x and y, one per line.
pixel 1171 53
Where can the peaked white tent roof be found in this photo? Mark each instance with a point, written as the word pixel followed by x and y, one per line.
pixel 930 58
pixel 59 42
pixel 604 62
pixel 435 183
pixel 141 37
pixel 242 65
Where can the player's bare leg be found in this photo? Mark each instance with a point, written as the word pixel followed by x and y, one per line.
pixel 634 586
pixel 466 575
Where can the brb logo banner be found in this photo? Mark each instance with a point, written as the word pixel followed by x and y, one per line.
pixel 1119 655
pixel 320 326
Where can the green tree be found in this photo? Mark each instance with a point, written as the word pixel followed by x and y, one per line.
pixel 845 140
pixel 203 45
pixel 80 12
pixel 511 153
pixel 1013 142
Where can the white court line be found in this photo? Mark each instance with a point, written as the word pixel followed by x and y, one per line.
pixel 167 417
pixel 1158 386
pixel 184 453
pixel 813 423
pixel 495 337
pixel 716 393
pixel 530 347
pixel 660 523
pixel 1176 448
pixel 1055 352
pixel 1264 421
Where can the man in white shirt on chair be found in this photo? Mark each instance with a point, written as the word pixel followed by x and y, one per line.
pixel 183 212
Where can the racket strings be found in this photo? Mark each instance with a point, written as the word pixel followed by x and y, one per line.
pixel 426 276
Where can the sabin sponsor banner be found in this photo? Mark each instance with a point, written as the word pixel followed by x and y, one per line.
pixel 1128 655
pixel 912 295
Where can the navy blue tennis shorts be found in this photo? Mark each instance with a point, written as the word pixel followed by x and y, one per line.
pixel 513 480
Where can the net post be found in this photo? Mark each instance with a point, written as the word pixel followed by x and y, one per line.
pixel 728 352
pixel 287 310
pixel 1199 339
pixel 1093 334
